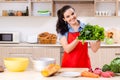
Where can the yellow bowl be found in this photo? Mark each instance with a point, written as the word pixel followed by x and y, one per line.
pixel 16 64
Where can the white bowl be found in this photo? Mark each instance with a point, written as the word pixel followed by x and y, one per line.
pixel 41 63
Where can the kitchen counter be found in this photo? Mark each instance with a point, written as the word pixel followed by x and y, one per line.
pixel 29 45
pixel 57 45
pixel 33 75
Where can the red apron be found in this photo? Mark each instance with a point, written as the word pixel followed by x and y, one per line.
pixel 78 57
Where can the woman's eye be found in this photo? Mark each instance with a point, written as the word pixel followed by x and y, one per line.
pixel 73 13
pixel 67 16
pixel 70 15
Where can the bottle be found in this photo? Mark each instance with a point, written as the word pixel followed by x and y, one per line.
pixel 4 13
pixel 19 13
pixel 27 11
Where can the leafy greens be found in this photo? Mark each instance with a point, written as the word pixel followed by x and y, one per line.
pixel 92 32
pixel 114 66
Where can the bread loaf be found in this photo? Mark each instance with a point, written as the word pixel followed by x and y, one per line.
pixel 50 70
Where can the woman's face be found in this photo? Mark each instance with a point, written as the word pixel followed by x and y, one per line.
pixel 70 16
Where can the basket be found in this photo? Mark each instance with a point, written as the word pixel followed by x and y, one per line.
pixel 43 40
pixel 47 38
pixel 53 41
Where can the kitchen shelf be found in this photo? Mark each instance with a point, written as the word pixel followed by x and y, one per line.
pixel 41 6
pixel 73 0
pixel 105 0
pixel 13 1
pixel 106 8
pixel 41 1
pixel 87 8
pixel 83 8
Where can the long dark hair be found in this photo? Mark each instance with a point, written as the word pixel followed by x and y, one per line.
pixel 61 26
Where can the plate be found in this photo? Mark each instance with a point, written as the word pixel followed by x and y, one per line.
pixel 70 74
pixel 118 74
pixel 90 40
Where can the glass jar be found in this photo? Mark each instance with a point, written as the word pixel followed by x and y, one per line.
pixel 109 41
pixel 4 13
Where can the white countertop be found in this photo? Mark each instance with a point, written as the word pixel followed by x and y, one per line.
pixel 110 45
pixel 49 45
pixel 29 45
pixel 33 75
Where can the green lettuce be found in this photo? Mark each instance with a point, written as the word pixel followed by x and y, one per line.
pixel 115 65
pixel 92 32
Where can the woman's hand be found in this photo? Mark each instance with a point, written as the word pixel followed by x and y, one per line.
pixel 95 45
pixel 78 40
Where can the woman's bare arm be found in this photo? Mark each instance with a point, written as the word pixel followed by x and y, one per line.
pixel 68 47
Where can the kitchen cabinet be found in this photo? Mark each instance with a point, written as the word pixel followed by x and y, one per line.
pixel 3 53
pixel 47 51
pixel 103 56
pixel 35 51
pixel 15 52
pixel 19 50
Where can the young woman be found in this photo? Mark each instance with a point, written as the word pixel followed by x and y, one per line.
pixel 68 28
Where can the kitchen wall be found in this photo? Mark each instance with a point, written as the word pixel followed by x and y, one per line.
pixel 34 25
